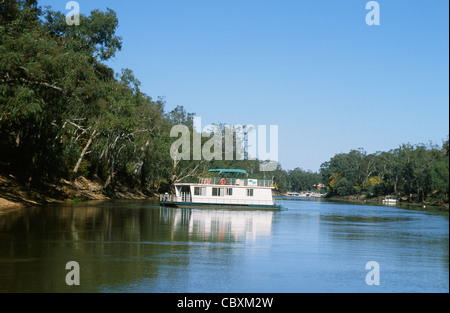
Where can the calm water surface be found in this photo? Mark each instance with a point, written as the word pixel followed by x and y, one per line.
pixel 313 246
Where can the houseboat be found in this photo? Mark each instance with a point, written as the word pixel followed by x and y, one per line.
pixel 226 188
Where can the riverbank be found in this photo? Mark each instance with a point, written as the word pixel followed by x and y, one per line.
pixel 6 205
pixel 377 200
pixel 14 195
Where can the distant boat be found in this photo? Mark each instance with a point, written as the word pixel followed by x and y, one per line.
pixel 225 190
pixel 305 194
pixel 389 200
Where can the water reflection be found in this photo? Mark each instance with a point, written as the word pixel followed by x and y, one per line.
pixel 112 242
pixel 224 225
pixel 131 224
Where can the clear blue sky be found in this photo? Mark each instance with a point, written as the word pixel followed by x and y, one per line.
pixel 315 68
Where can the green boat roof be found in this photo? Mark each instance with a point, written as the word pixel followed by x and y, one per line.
pixel 229 171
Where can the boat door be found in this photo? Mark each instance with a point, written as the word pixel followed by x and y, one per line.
pixel 185 193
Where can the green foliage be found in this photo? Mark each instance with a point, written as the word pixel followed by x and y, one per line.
pixel 300 180
pixel 415 172
pixel 62 112
pixel 440 180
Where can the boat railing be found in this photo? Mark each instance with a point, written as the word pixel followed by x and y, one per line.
pixel 185 197
pixel 236 182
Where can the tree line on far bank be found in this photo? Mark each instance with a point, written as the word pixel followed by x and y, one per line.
pixel 417 173
pixel 65 114
pixel 413 173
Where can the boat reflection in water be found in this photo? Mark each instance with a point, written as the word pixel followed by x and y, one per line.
pixel 220 225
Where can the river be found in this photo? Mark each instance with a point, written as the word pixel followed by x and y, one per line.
pixel 138 246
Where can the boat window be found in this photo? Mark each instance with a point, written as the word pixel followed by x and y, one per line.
pixel 250 192
pixel 229 191
pixel 200 191
pixel 218 192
